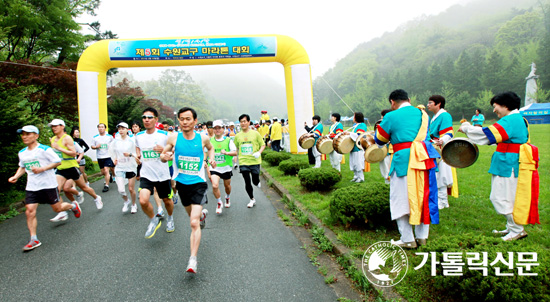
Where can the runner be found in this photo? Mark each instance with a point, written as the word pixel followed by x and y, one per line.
pixel 250 146
pixel 101 143
pixel 124 155
pixel 224 149
pixel 188 158
pixel 75 134
pixel 136 128
pixel 154 173
pixel 63 146
pixel 39 162
pixel 231 132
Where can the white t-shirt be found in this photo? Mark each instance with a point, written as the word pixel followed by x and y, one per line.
pixel 40 156
pixel 232 148
pixel 103 140
pixel 151 166
pixel 117 149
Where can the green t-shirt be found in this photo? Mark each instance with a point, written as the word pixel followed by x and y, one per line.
pixel 248 143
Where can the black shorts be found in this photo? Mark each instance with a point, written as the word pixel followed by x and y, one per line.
pixel 44 196
pixel 71 173
pixel 226 175
pixel 254 169
pixel 129 175
pixel 164 188
pixel 105 162
pixel 192 194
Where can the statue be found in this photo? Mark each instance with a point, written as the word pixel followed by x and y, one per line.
pixel 531 86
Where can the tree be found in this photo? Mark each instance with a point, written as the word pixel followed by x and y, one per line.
pixel 42 28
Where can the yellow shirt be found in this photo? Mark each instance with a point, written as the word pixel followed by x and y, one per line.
pixel 276 131
pixel 263 130
pixel 265 117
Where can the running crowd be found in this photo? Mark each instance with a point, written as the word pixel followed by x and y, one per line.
pixel 173 164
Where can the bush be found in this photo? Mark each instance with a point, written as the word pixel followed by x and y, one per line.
pixel 274 158
pixel 320 179
pixel 472 285
pixel 89 164
pixel 292 166
pixel 367 203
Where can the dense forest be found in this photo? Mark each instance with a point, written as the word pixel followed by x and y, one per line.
pixel 467 53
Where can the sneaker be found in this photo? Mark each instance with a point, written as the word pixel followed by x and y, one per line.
pixel 354 179
pixel 112 179
pixel 77 211
pixel 514 236
pixel 259 185
pixel 61 216
pixel 227 203
pixel 134 209
pixel 160 213
pixel 219 208
pixel 36 243
pixel 170 227
pixel 80 198
pixel 105 188
pixel 203 219
pixel 192 266
pixel 407 245
pixel 126 207
pixel 421 242
pixel 235 166
pixel 98 203
pixel 153 227
pixel 251 203
pixel 175 199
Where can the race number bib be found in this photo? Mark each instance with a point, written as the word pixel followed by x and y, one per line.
pixel 150 155
pixel 247 149
pixel 123 160
pixel 219 158
pixel 103 146
pixel 29 165
pixel 189 165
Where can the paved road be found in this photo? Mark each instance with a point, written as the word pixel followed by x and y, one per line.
pixel 245 255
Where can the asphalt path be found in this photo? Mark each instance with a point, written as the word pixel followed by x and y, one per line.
pixel 245 255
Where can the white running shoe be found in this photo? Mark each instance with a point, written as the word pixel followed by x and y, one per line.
pixel 251 203
pixel 192 266
pixel 219 208
pixel 160 213
pixel 80 198
pixel 61 216
pixel 134 209
pixel 203 218
pixel 227 202
pixel 98 202
pixel 259 185
pixel 126 207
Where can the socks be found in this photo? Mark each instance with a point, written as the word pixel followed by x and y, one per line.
pixel 34 238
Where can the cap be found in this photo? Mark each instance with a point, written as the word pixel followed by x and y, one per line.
pixel 28 129
pixel 122 124
pixel 275 118
pixel 159 126
pixel 170 128
pixel 264 111
pixel 56 122
pixel 217 123
pixel 231 124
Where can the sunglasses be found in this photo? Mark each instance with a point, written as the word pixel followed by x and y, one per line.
pixel 147 117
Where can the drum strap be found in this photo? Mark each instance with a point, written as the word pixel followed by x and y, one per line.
pixel 508 148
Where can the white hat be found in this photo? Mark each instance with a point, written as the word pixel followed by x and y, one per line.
pixel 275 118
pixel 122 124
pixel 56 122
pixel 217 123
pixel 231 124
pixel 28 129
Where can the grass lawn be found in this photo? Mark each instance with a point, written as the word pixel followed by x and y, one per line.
pixel 471 215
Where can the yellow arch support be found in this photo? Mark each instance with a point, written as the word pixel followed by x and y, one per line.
pixel 98 58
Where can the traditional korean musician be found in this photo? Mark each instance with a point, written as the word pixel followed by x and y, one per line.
pixel 335 128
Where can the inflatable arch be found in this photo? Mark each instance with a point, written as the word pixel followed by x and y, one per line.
pixel 101 56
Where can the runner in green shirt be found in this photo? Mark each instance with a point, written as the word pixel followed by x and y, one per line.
pixel 250 146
